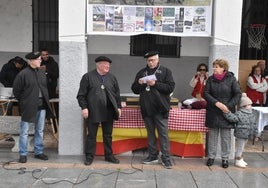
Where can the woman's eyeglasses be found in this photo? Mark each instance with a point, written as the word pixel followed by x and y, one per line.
pixel 202 69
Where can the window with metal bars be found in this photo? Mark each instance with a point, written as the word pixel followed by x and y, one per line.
pixel 167 46
pixel 46 25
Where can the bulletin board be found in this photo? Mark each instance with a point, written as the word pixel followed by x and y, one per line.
pixel 245 67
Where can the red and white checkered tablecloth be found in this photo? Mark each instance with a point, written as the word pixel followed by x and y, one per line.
pixel 180 120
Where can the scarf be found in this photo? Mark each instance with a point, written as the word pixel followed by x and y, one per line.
pixel 219 76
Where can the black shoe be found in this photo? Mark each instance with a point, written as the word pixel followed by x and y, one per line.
pixel 88 161
pixel 23 159
pixel 167 164
pixel 41 157
pixel 112 159
pixel 210 162
pixel 225 164
pixel 150 159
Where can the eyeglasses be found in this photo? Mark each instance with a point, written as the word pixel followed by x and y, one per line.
pixel 202 69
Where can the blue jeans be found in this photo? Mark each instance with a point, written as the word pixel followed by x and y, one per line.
pixel 38 134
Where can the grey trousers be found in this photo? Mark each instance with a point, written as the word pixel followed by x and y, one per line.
pixel 240 145
pixel 157 122
pixel 225 141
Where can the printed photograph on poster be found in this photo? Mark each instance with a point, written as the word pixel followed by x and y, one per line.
pixel 168 12
pixel 158 25
pixel 139 26
pixel 158 12
pixel 148 25
pixel 140 13
pixel 168 28
pixel 148 13
pixel 178 27
pixel 118 24
pixel 129 27
pixel 99 18
pixel 129 14
pixel 199 23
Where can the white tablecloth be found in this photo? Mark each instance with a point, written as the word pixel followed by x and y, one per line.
pixel 262 117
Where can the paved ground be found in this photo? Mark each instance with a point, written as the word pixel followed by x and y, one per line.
pixel 69 171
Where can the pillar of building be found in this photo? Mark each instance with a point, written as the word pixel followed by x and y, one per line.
pixel 72 65
pixel 225 41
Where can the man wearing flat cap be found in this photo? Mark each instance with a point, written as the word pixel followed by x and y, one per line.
pixel 99 98
pixel 154 84
pixel 30 89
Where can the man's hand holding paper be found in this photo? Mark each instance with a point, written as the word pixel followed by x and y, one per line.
pixel 147 78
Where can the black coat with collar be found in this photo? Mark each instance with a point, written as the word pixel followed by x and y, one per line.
pixel 226 91
pixel 95 98
pixel 26 89
pixel 157 100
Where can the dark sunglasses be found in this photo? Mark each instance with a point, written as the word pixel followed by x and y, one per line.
pixel 202 69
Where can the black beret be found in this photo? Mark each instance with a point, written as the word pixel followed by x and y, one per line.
pixel 151 53
pixel 103 58
pixel 33 55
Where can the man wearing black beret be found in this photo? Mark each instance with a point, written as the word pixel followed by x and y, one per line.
pixel 99 99
pixel 154 84
pixel 30 89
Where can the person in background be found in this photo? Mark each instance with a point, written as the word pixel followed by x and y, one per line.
pixel 245 128
pixel 198 83
pixel 154 84
pixel 50 66
pixel 222 92
pixel 256 86
pixel 265 75
pixel 8 74
pixel 10 70
pixel 30 89
pixel 99 98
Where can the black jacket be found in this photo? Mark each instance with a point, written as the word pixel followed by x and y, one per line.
pixel 52 73
pixel 96 99
pixel 9 72
pixel 157 100
pixel 226 91
pixel 26 89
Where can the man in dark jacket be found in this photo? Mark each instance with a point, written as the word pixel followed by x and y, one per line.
pixel 10 70
pixel 30 89
pixel 8 73
pixel 50 66
pixel 155 83
pixel 99 99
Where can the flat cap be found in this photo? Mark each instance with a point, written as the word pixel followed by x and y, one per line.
pixel 33 55
pixel 103 58
pixel 151 53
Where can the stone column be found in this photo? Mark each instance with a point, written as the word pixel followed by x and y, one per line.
pixel 72 65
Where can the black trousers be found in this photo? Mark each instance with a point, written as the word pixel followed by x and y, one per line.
pixel 107 130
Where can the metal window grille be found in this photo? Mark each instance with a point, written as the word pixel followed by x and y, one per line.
pixel 168 46
pixel 46 25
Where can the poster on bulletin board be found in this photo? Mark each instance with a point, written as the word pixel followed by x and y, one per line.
pixel 162 17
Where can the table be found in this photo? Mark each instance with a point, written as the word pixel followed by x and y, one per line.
pixel 262 120
pixel 53 121
pixel 185 126
pixel 262 117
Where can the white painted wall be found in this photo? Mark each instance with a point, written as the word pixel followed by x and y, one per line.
pixel 15 26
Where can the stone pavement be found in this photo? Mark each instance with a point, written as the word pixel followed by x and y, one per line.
pixel 69 171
